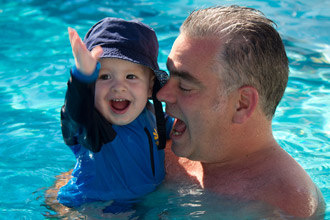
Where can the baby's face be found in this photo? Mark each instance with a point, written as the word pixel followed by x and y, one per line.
pixel 122 90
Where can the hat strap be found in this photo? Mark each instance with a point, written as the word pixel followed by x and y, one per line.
pixel 160 119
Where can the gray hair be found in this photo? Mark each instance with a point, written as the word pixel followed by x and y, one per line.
pixel 251 53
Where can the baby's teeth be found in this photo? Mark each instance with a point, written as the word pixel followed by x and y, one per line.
pixel 118 100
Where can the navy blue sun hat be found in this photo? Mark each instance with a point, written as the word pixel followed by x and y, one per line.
pixel 135 42
pixel 128 40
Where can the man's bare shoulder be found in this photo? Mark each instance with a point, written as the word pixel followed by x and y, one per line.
pixel 275 178
pixel 288 186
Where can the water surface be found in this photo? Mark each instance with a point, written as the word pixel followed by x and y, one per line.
pixel 35 56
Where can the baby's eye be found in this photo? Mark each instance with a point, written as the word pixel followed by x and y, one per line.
pixel 131 76
pixel 104 77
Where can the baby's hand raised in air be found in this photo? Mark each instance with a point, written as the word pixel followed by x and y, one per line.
pixel 85 60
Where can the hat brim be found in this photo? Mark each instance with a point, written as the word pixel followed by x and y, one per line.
pixel 124 54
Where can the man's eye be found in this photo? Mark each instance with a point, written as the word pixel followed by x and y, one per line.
pixel 105 77
pixel 184 89
pixel 131 76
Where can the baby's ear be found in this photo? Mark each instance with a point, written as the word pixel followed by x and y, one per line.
pixel 151 84
pixel 246 104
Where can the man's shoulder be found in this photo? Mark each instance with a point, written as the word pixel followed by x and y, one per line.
pixel 285 184
pixel 295 196
pixel 277 179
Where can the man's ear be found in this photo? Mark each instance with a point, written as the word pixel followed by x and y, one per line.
pixel 246 103
pixel 151 85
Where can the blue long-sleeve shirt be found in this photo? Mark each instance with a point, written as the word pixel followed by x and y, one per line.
pixel 113 162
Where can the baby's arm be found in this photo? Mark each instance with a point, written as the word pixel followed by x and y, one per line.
pixel 85 60
pixel 79 100
pixel 80 122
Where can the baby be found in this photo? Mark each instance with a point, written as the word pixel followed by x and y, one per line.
pixel 115 133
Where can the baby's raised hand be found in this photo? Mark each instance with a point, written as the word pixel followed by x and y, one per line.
pixel 85 60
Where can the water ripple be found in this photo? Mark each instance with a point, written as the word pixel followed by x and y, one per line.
pixel 35 57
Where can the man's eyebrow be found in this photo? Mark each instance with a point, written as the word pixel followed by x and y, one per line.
pixel 182 74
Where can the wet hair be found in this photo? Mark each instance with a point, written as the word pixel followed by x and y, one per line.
pixel 251 51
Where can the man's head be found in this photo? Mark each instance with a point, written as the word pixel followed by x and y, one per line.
pixel 251 53
pixel 226 64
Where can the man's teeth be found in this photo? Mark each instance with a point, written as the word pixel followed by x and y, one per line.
pixel 118 100
pixel 175 133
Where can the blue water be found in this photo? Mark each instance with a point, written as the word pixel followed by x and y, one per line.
pixel 35 56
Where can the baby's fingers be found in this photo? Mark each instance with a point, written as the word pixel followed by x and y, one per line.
pixel 72 32
pixel 96 52
pixel 77 45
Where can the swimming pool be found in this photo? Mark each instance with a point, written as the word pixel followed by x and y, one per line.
pixel 34 59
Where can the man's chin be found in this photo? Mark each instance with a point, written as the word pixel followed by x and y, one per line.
pixel 178 149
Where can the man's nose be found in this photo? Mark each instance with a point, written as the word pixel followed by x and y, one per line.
pixel 167 93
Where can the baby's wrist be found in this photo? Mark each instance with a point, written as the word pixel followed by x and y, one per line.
pixel 86 78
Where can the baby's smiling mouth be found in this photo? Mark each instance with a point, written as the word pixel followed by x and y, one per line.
pixel 119 106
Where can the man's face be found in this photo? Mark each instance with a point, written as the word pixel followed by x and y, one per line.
pixel 193 96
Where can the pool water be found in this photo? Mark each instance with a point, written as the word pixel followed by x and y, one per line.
pixel 35 57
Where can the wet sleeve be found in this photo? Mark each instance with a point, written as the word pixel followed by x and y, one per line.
pixel 80 121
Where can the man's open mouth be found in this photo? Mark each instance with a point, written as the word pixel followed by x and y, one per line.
pixel 119 106
pixel 178 128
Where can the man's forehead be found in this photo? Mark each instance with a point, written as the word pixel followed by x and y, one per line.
pixel 192 54
pixel 188 49
pixel 181 73
pixel 170 64
pixel 208 44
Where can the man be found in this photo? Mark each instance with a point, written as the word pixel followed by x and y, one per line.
pixel 228 71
